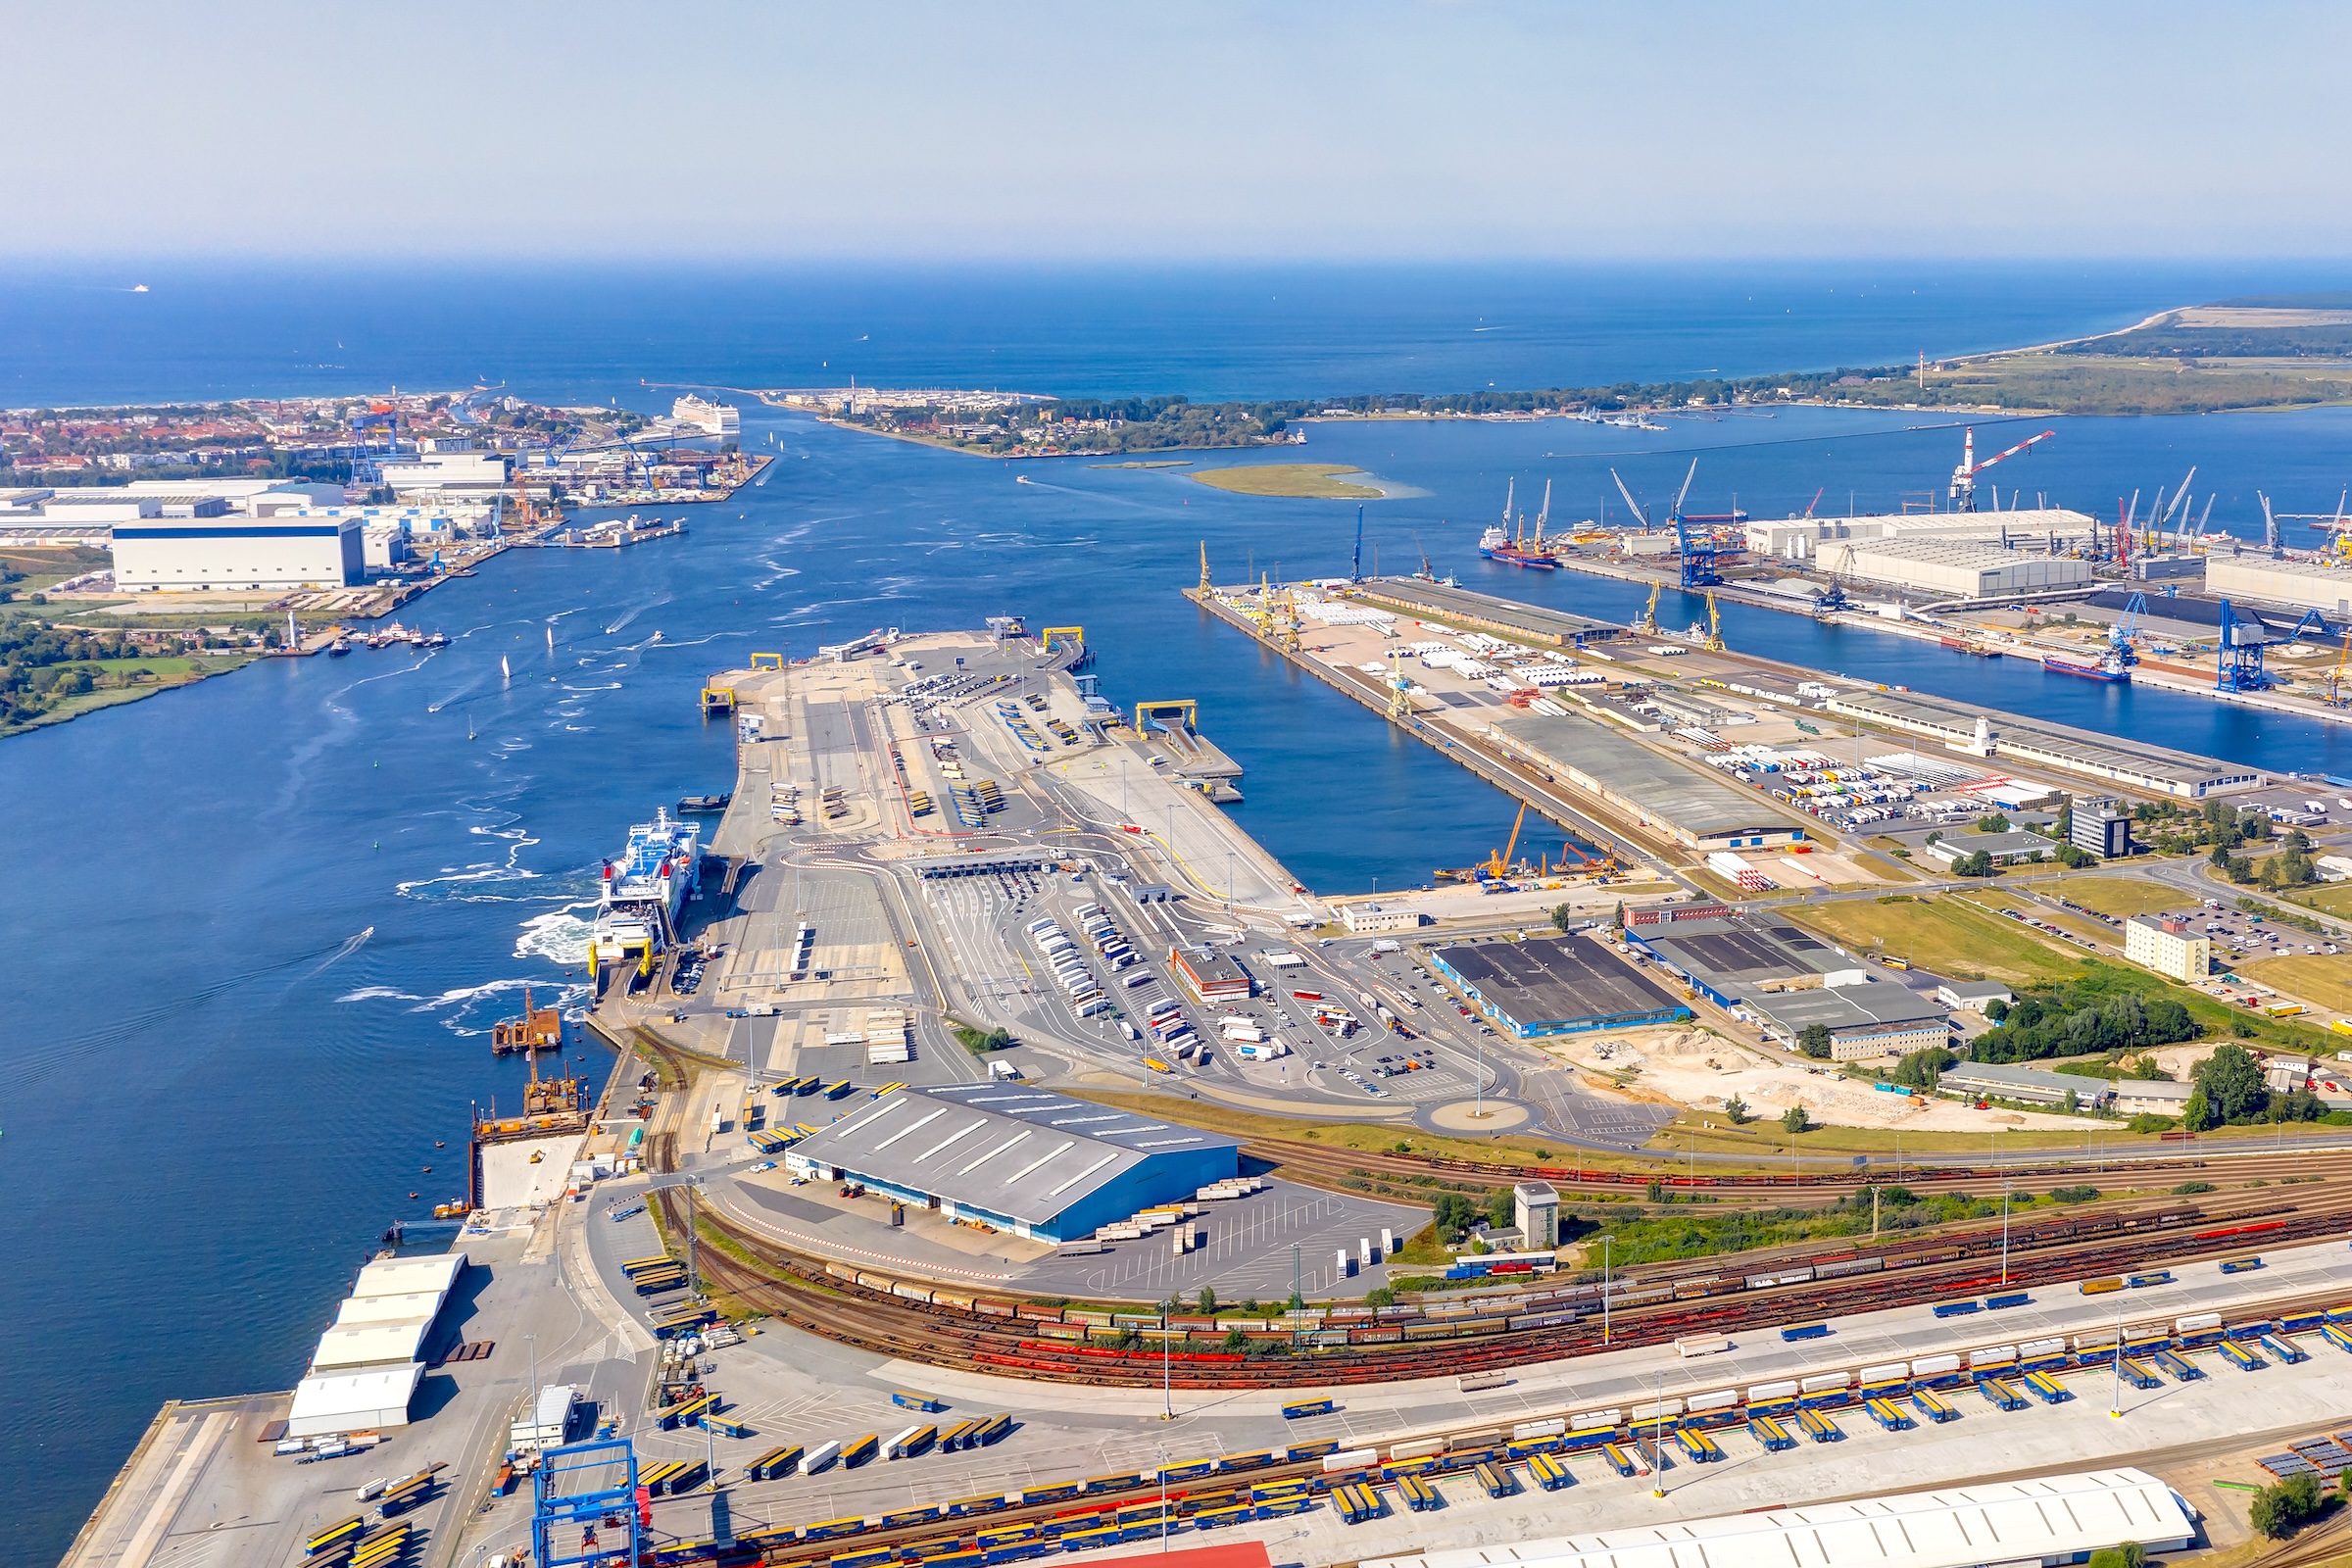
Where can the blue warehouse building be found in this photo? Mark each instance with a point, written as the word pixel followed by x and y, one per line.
pixel 1555 986
pixel 1023 1159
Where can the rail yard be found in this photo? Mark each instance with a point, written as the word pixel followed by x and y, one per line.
pixel 1007 1157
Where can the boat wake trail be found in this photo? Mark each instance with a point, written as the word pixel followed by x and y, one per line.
pixel 350 946
pixel 461 1009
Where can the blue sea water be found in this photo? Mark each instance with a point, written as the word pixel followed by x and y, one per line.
pixel 264 923
pixel 77 333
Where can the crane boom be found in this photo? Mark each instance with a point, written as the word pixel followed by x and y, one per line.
pixel 1543 514
pixel 1685 494
pixel 2015 450
pixel 1640 516
pixel 2179 497
pixel 1964 477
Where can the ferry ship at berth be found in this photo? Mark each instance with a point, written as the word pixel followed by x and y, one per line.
pixel 645 893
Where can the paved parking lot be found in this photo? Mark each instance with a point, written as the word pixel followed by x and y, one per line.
pixel 1251 1242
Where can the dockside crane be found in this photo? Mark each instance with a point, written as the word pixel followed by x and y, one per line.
pixel 1836 598
pixel 1697 562
pixel 1714 638
pixel 1543 514
pixel 1964 477
pixel 1498 865
pixel 2270 524
pixel 2180 535
pixel 2179 506
pixel 2128 626
pixel 1648 625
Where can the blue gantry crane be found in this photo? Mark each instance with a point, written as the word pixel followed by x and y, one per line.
pixel 2128 626
pixel 585 1505
pixel 1696 562
pixel 2239 661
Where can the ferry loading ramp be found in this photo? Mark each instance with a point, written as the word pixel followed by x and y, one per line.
pixel 1556 984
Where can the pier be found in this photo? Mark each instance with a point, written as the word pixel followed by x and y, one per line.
pixel 1681 702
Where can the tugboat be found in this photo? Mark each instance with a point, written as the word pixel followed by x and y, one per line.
pixel 338 648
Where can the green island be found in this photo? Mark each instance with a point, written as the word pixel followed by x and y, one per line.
pixel 1313 482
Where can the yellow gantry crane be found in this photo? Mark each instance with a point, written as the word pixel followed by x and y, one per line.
pixel 1648 622
pixel 1401 689
pixel 1714 642
pixel 2336 695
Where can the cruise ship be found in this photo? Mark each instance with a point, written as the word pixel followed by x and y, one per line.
pixel 644 891
pixel 710 417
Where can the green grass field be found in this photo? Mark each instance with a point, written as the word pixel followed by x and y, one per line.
pixel 2328 898
pixel 1942 935
pixel 1311 481
pixel 2323 978
pixel 2118 895
pixel 44 567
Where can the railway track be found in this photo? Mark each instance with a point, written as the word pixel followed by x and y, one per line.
pixel 1190 1494
pixel 910 1321
pixel 1381 1173
pixel 767 1278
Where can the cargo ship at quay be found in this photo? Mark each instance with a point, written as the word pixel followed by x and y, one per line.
pixel 1499 544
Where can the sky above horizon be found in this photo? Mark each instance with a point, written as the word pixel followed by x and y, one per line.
pixel 1391 130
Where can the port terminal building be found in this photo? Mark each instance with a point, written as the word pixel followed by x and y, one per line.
pixel 2302 584
pixel 1686 806
pixel 2044 1519
pixel 1554 986
pixel 1787 980
pixel 1801 539
pixel 194 546
pixel 1462 606
pixel 367 1367
pixel 1038 1165
pixel 2109 758
pixel 1958 569
pixel 1210 977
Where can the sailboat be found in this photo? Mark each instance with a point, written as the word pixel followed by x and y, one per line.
pixel 470 724
pixel 551 639
pixel 506 671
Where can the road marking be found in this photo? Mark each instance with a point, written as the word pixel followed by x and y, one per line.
pixel 150 1534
